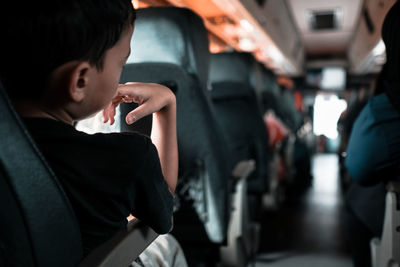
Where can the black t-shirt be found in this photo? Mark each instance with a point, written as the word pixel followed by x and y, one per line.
pixel 106 177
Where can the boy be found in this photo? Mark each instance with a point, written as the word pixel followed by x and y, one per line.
pixel 71 55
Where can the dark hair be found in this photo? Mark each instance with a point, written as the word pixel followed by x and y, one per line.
pixel 391 38
pixel 391 69
pixel 39 36
pixel 380 85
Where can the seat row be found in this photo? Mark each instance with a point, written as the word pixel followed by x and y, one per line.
pixel 224 157
pixel 222 136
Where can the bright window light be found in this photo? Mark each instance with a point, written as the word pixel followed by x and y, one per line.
pixel 95 124
pixel 327 110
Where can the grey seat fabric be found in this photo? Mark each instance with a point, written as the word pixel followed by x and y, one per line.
pixel 238 111
pixel 37 224
pixel 270 92
pixel 289 113
pixel 170 47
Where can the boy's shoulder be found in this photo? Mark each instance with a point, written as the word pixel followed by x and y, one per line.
pixel 53 136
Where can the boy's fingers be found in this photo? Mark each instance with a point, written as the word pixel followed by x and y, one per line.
pixel 133 91
pixel 110 111
pixel 105 115
pixel 125 89
pixel 137 114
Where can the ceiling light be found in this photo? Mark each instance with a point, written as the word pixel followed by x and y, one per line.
pixel 246 25
pixel 275 54
pixel 379 49
pixel 246 44
pixel 135 4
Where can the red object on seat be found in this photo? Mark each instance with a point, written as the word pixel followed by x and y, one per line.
pixel 298 100
pixel 277 131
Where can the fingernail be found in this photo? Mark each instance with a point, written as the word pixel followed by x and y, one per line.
pixel 131 119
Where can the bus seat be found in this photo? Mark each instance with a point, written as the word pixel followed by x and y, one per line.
pixel 170 47
pixel 290 114
pixel 281 102
pixel 38 226
pixel 235 101
pixel 386 250
pixel 269 91
pixel 243 234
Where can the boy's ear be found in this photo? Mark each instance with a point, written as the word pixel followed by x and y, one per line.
pixel 78 81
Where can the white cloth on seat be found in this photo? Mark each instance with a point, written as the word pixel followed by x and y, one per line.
pixel 165 251
pixel 95 124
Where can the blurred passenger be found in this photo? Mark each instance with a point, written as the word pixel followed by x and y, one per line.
pixel 348 117
pixel 345 125
pixel 373 154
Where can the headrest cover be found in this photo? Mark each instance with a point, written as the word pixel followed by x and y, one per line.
pixel 232 67
pixel 171 35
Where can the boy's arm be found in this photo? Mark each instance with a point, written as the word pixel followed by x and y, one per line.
pixel 164 137
pixel 160 101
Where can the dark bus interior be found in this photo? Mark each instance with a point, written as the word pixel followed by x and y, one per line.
pixel 267 92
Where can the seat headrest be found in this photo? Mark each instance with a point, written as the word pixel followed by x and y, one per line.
pixel 231 90
pixel 232 67
pixel 171 35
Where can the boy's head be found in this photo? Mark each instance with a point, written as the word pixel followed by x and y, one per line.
pixel 47 47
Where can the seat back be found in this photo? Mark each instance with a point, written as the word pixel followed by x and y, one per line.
pixel 238 111
pixel 269 91
pixel 291 116
pixel 170 47
pixel 385 251
pixel 278 99
pixel 37 224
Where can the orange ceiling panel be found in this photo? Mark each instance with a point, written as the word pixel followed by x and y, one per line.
pixel 204 8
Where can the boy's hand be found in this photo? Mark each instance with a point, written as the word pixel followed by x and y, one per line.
pixel 151 98
pixel 157 99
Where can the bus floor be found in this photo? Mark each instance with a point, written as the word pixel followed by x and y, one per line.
pixel 308 230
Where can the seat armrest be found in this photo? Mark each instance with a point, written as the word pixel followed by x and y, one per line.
pixel 393 187
pixel 243 169
pixel 385 251
pixel 123 248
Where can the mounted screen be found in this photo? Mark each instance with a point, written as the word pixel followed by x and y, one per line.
pixel 329 78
